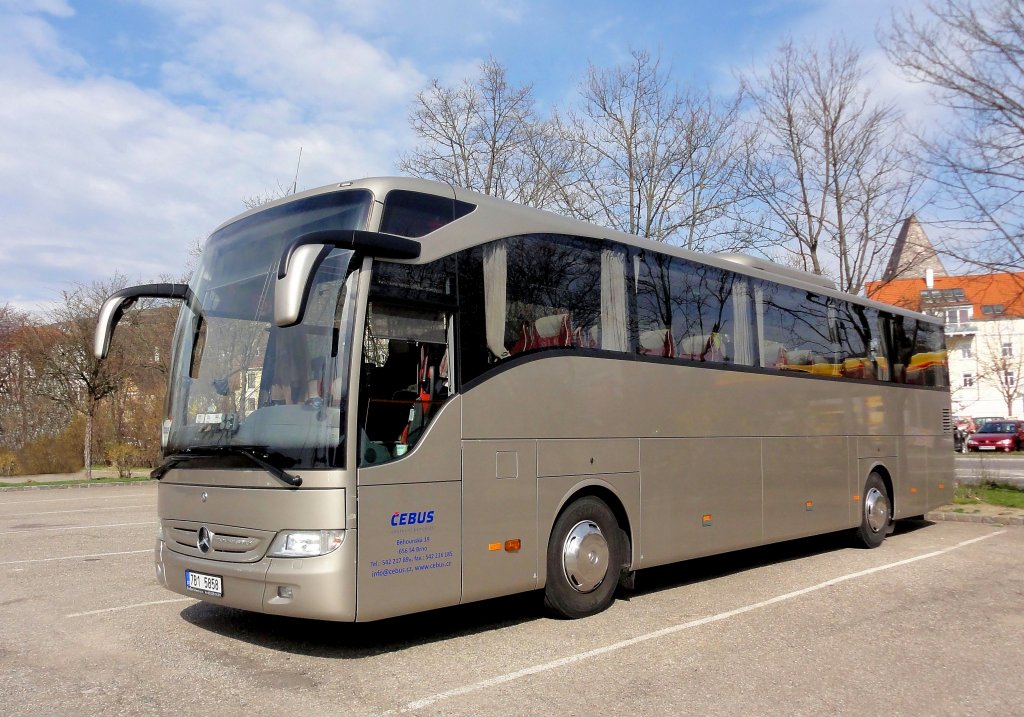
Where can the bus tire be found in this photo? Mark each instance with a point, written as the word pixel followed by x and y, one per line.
pixel 875 514
pixel 585 558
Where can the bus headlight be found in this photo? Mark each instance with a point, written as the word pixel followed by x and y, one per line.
pixel 305 543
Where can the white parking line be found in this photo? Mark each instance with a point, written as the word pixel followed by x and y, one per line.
pixel 76 557
pixel 75 527
pixel 76 510
pixel 570 659
pixel 129 607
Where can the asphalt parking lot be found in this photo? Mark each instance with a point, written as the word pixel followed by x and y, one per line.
pixel 930 623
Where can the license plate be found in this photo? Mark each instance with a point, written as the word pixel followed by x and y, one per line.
pixel 986 448
pixel 203 583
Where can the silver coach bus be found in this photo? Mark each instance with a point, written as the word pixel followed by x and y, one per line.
pixel 392 395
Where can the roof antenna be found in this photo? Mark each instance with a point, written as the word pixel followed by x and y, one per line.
pixel 295 183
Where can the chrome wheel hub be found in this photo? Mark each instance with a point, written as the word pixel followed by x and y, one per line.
pixel 876 510
pixel 585 556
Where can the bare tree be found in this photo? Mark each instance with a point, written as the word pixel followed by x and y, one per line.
pixel 652 160
pixel 64 369
pixel 484 135
pixel 14 416
pixel 11 321
pixel 830 164
pixel 972 55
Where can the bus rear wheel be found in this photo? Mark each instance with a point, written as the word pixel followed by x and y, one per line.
pixel 585 557
pixel 876 513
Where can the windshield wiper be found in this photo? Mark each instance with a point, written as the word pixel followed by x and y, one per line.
pixel 161 470
pixel 208 451
pixel 280 473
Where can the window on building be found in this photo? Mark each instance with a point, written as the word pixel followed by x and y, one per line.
pixel 958 314
pixel 1009 378
pixel 992 309
pixel 968 380
pixel 967 351
pixel 1007 348
pixel 942 296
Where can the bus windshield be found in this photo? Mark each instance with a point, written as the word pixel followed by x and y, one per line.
pixel 239 381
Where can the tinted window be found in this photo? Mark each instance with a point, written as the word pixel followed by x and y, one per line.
pixel 554 294
pixel 928 366
pixel 537 292
pixel 858 346
pixel 413 214
pixel 474 356
pixel 796 330
pixel 685 310
pixel 432 283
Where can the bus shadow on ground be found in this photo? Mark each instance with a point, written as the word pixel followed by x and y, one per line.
pixel 674 575
pixel 336 640
pixel 345 640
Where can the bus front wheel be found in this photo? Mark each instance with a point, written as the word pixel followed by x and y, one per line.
pixel 585 557
pixel 876 513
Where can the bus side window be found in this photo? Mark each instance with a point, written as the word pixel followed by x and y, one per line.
pixel 414 214
pixel 405 378
pixel 857 345
pixel 553 293
pixel 796 330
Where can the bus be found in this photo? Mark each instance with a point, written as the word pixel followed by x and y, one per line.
pixel 393 395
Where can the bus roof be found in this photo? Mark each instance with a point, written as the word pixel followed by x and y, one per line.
pixel 496 218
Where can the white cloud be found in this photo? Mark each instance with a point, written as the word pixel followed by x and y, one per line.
pixel 24 36
pixel 57 8
pixel 279 52
pixel 99 175
pixel 512 11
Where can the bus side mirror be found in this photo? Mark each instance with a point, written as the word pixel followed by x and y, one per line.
pixel 120 301
pixel 294 279
pixel 302 257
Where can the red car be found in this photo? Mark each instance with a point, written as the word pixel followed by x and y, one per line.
pixel 998 436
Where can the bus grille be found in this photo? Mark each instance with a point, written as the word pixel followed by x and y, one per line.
pixel 947 420
pixel 229 543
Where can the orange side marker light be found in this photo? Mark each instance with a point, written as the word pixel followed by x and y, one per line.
pixel 493 546
pixel 513 545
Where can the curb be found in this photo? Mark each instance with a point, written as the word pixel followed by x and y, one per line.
pixel 1016 520
pixel 45 486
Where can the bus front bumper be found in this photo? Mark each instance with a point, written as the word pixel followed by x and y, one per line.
pixel 321 588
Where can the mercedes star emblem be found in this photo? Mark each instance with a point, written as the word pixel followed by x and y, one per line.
pixel 205 540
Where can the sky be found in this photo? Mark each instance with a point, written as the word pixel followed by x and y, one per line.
pixel 130 129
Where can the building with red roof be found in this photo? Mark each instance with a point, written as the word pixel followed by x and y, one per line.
pixel 984 316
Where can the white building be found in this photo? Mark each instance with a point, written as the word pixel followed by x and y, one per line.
pixel 984 316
